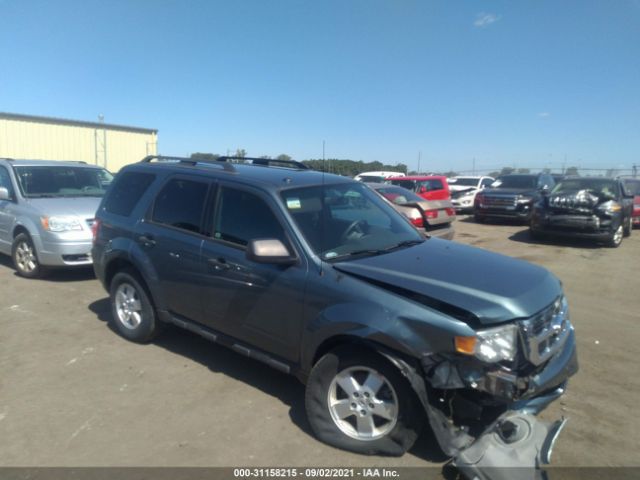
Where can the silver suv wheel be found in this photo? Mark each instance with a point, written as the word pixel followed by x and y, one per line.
pixel 363 403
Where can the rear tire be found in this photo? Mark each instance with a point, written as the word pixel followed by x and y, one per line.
pixel 132 312
pixel 357 401
pixel 479 218
pixel 25 257
pixel 536 234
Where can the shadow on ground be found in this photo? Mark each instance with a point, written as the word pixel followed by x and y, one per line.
pixel 284 387
pixel 523 236
pixel 70 274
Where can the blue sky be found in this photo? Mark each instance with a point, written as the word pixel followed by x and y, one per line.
pixel 504 82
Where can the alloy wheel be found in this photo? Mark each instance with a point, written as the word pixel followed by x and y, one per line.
pixel 128 306
pixel 363 403
pixel 25 257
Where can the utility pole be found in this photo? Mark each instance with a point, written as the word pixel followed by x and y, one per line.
pixel 474 166
pixel 419 158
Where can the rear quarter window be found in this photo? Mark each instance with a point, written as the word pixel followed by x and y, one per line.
pixel 126 191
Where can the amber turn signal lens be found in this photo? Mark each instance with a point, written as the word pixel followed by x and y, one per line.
pixel 466 345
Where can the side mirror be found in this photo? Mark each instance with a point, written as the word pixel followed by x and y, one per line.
pixel 271 251
pixel 4 194
pixel 422 189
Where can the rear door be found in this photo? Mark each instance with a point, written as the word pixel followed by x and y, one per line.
pixel 172 235
pixel 259 304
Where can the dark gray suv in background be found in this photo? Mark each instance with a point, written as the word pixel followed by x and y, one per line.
pixel 319 277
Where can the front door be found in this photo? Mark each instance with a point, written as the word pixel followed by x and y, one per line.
pixel 259 304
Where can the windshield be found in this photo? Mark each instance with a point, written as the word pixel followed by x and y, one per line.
pixel 603 188
pixel 63 181
pixel 463 182
pixel 408 184
pixel 370 178
pixel 516 181
pixel 347 220
pixel 398 195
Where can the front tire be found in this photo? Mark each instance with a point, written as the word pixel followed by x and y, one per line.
pixel 25 258
pixel 132 312
pixel 615 238
pixel 628 226
pixel 479 218
pixel 356 400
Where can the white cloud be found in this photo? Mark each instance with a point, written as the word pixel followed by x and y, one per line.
pixel 485 19
pixel 544 114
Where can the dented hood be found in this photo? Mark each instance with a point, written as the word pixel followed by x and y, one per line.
pixel 493 287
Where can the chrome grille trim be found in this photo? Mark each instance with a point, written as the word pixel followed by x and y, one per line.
pixel 499 201
pixel 545 333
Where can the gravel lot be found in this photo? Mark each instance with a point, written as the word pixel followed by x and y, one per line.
pixel 73 393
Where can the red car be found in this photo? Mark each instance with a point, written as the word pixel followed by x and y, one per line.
pixel 429 187
pixel 632 185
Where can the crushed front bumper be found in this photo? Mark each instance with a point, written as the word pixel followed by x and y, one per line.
pixel 514 447
pixel 493 429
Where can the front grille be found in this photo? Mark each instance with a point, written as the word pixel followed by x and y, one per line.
pixel 502 201
pixel 545 333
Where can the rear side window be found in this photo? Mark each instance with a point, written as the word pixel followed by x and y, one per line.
pixel 180 204
pixel 126 191
pixel 243 216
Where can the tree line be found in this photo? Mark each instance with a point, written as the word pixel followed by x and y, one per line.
pixel 351 168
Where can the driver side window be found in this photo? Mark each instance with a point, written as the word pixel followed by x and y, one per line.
pixel 243 216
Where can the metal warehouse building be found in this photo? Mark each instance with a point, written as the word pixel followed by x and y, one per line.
pixel 98 143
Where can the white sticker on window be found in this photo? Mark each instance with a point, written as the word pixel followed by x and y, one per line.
pixel 293 203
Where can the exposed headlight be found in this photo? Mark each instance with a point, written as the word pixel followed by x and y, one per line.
pixel 60 223
pixel 491 345
pixel 610 207
pixel 524 199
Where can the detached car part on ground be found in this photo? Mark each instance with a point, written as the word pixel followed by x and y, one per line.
pixel 319 277
pixel 595 208
pixel 433 217
pixel 47 209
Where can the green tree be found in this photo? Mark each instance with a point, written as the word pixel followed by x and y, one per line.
pixel 241 152
pixel 571 171
pixel 205 156
pixel 283 156
pixel 523 170
pixel 507 170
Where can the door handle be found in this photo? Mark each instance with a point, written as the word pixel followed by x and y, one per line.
pixel 219 264
pixel 146 240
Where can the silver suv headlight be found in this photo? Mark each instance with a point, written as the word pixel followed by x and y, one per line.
pixel 491 345
pixel 60 223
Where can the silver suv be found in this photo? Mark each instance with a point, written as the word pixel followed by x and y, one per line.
pixel 47 209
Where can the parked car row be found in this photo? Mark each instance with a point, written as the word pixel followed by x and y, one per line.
pixel 601 209
pixel 318 276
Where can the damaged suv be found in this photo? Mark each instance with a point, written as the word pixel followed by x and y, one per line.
pixel 587 207
pixel 319 277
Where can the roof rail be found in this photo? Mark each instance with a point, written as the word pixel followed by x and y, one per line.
pixel 267 162
pixel 187 161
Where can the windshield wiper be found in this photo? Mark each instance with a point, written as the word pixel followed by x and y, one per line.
pixel 379 251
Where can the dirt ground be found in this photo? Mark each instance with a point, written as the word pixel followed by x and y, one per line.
pixel 73 393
